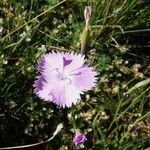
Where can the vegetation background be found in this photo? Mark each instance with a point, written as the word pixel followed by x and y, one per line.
pixel 116 114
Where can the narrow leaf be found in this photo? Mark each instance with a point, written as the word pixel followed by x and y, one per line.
pixel 138 85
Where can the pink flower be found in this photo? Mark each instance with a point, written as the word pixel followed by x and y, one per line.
pixel 63 77
pixel 79 139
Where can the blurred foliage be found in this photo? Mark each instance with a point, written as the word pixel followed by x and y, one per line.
pixel 110 117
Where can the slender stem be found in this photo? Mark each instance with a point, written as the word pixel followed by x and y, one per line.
pixel 131 127
pixel 131 105
pixel 31 20
pixel 59 127
pixel 85 37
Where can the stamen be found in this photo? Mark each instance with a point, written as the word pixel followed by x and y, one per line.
pixel 75 74
pixel 68 81
pixel 57 70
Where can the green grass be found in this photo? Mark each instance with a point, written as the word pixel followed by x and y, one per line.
pixel 115 115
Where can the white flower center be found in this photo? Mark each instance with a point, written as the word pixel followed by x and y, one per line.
pixel 62 76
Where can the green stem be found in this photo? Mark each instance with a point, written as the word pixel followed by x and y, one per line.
pixel 131 127
pixel 31 20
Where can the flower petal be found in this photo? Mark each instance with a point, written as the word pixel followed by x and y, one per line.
pixel 76 61
pixel 65 94
pixel 79 139
pixel 46 90
pixel 72 94
pixel 40 65
pixel 38 84
pixel 84 78
pixel 54 61
pixel 58 94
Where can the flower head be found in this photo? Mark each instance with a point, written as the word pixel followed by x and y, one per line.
pixel 79 139
pixel 63 77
